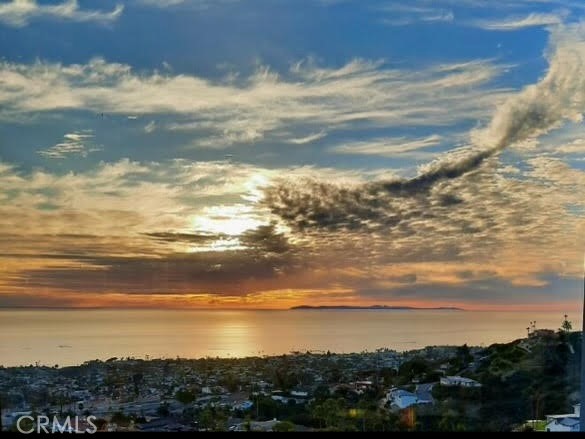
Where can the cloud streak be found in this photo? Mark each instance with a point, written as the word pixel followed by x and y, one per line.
pixel 75 144
pixel 308 97
pixel 537 109
pixel 307 139
pixel 516 23
pixel 388 147
pixel 19 13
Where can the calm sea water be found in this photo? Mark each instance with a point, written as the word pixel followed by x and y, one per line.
pixel 68 337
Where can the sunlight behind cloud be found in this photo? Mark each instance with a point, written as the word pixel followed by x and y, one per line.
pixel 230 220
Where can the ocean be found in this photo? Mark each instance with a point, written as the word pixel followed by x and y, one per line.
pixel 70 337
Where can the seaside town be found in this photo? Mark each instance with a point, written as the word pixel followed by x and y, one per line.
pixel 530 384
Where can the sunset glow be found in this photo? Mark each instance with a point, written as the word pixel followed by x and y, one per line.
pixel 376 166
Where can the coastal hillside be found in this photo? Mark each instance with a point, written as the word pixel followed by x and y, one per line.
pixel 437 388
pixel 526 379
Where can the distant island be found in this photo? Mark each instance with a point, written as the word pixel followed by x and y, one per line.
pixel 407 308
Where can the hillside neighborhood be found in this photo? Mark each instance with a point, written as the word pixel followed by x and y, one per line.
pixel 529 384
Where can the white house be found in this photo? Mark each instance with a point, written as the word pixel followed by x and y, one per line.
pixel 403 399
pixel 568 422
pixel 562 423
pixel 451 381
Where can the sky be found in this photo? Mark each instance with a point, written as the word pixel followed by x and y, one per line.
pixel 273 153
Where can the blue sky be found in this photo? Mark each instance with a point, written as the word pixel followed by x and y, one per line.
pixel 214 40
pixel 208 131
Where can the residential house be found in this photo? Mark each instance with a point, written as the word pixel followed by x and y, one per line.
pixel 568 422
pixel 453 381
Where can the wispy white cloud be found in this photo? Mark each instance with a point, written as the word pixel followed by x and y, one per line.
pixel 515 23
pixel 192 4
pixel 307 139
pixel 307 97
pixel 77 143
pixel 404 14
pixel 436 17
pixel 577 146
pixel 21 12
pixel 150 127
pixel 388 147
pixel 510 15
pixel 556 99
pixel 161 3
pixel 507 5
pixel 555 170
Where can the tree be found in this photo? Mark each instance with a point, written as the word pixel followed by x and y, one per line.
pixel 231 382
pixel 206 418
pixel 464 354
pixel 185 397
pixel 212 419
pixel 321 393
pixel 566 326
pixel 329 412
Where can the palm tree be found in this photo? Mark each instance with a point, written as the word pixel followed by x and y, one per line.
pixel 566 326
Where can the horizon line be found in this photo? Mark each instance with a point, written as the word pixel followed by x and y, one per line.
pixel 292 308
